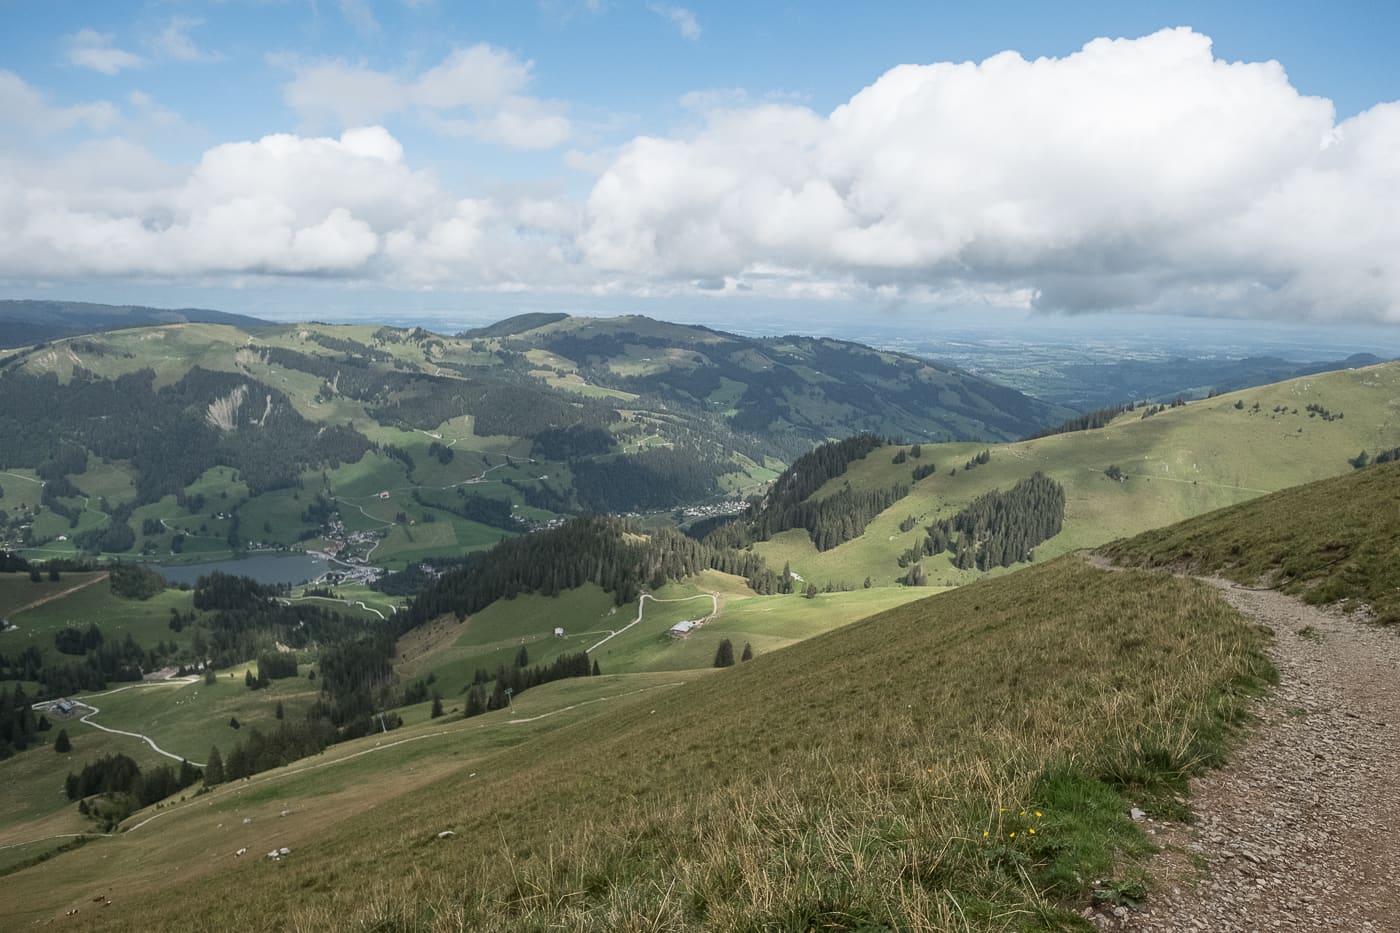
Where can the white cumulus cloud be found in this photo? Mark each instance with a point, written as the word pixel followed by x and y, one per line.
pixel 347 207
pixel 1140 173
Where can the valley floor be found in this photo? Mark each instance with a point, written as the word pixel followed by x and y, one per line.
pixel 1298 832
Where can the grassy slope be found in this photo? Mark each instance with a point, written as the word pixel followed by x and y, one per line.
pixel 1353 553
pixel 147 621
pixel 845 780
pixel 190 838
pixel 1179 463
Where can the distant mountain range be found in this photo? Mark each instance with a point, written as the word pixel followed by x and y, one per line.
pixel 24 323
pixel 205 438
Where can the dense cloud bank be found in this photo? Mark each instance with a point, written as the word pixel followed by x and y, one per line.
pixel 1134 174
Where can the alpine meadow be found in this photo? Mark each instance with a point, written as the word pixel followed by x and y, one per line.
pixel 669 468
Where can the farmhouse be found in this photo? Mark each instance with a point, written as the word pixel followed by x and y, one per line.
pixel 683 629
pixel 558 631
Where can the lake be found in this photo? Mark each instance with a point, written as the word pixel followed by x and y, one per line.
pixel 265 568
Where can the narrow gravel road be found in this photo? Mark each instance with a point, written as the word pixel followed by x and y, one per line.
pixel 1300 830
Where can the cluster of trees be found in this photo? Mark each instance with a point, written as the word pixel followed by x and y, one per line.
pixel 276 665
pixel 120 661
pixel 477 508
pixel 657 478
pixel 1088 421
pixel 606 551
pixel 572 442
pixel 996 529
pixel 512 681
pixel 923 470
pixel 984 457
pixel 441 453
pixel 829 521
pixel 73 640
pixel 1149 410
pixel 1315 410
pixel 123 787
pixel 133 581
pixel 840 518
pixel 89 661
pixel 724 653
pixel 19 727
pixel 259 751
pixel 1363 459
pixel 246 616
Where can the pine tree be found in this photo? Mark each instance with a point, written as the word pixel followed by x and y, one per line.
pixel 811 591
pixel 437 705
pixel 596 671
pixel 233 722
pixel 748 653
pixel 278 713
pixel 214 770
pixel 61 743
pixel 522 657
pixel 249 680
pixel 724 654
pixel 476 702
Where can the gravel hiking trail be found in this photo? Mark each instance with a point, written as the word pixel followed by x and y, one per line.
pixel 1299 830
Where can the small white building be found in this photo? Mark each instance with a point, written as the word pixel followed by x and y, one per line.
pixel 683 629
pixel 558 632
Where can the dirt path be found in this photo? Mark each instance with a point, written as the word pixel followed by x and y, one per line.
pixel 1299 831
pixel 60 594
pixel 641 607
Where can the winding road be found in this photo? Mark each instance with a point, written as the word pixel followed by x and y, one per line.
pixel 86 719
pixel 641 604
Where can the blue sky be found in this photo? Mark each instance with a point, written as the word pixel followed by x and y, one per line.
pixel 658 156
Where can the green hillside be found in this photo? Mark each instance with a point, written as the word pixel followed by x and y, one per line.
pixel 305 435
pixel 1174 464
pixel 24 323
pixel 1352 556
pixel 870 777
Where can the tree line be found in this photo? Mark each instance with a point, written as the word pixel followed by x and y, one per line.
pixel 606 551
pixel 830 521
pixel 510 682
pixel 997 529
